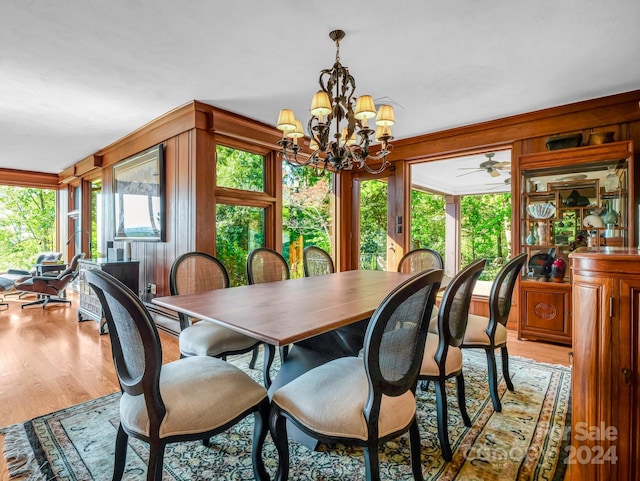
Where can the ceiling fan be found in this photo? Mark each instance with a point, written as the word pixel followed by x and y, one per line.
pixel 500 185
pixel 490 166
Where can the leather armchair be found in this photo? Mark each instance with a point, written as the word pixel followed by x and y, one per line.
pixel 49 288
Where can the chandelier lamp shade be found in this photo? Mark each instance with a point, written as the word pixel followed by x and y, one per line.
pixel 339 131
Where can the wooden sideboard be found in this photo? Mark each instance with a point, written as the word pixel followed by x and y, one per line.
pixel 89 307
pixel 606 362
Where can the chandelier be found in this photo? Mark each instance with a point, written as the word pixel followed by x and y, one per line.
pixel 338 129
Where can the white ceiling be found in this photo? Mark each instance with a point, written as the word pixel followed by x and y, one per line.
pixel 76 75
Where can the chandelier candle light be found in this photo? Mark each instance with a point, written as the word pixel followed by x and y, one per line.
pixel 335 107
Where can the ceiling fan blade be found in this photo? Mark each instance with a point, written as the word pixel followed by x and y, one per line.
pixel 502 165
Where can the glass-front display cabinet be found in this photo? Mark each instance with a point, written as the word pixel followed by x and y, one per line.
pixel 569 198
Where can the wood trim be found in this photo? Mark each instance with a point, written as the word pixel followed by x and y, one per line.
pixel 171 124
pixel 68 175
pixel 24 178
pixel 87 165
pixel 594 113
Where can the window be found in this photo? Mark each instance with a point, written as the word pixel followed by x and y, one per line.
pixel 239 230
pixel 96 248
pixel 306 214
pixel 27 225
pixel 428 221
pixel 485 231
pixel 373 224
pixel 238 169
pixel 241 208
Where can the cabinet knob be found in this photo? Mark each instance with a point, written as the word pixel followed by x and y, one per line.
pixel 626 375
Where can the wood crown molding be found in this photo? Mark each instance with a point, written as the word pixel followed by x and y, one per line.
pixel 24 178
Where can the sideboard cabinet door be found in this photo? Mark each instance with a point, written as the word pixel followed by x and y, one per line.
pixel 605 435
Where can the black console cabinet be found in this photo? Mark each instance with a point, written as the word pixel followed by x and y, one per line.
pixel 90 308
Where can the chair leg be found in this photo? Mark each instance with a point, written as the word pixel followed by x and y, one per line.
pixel 416 461
pixel 120 456
pixel 254 357
pixel 442 415
pixel 260 428
pixel 156 459
pixel 269 354
pixel 493 379
pixel 371 461
pixel 505 367
pixel 278 429
pixel 284 352
pixel 46 300
pixel 462 401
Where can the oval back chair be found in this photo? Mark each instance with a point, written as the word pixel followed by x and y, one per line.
pixel 419 260
pixel 317 262
pixel 192 398
pixel 442 355
pixel 195 272
pixel 490 333
pixel 365 401
pixel 266 265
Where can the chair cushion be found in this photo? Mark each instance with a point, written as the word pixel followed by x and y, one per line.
pixel 206 338
pixel 200 394
pixel 430 367
pixel 6 284
pixel 476 334
pixel 330 399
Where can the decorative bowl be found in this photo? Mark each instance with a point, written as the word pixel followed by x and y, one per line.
pixel 565 141
pixel 541 211
pixel 593 221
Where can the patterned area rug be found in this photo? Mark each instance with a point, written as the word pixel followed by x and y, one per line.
pixel 526 441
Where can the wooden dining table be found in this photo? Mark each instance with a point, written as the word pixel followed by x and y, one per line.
pixel 291 311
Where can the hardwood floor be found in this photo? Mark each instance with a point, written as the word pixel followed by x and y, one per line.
pixel 50 361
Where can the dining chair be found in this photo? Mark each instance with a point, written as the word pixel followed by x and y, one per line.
pixel 490 333
pixel 317 262
pixel 266 265
pixel 419 260
pixel 192 398
pixel 442 358
pixel 195 272
pixel 367 400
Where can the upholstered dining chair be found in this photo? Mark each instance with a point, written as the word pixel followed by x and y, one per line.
pixel 50 288
pixel 419 260
pixel 192 398
pixel 267 265
pixel 366 400
pixel 194 272
pixel 490 333
pixel 317 262
pixel 442 354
